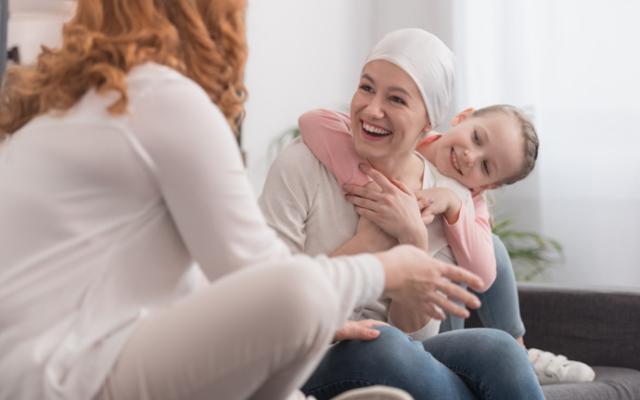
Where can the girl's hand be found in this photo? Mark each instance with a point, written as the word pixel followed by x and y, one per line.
pixel 436 201
pixel 390 205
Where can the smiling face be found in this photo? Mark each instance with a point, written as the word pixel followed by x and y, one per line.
pixel 388 114
pixel 481 152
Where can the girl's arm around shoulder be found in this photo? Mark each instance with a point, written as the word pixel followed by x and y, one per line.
pixel 328 136
pixel 471 240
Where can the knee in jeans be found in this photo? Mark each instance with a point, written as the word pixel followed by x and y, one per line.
pixel 393 348
pixel 500 251
pixel 503 347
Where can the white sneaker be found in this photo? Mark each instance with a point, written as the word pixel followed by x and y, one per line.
pixel 377 392
pixel 551 368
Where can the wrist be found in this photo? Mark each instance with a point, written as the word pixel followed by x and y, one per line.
pixel 418 237
pixel 393 268
pixel 453 209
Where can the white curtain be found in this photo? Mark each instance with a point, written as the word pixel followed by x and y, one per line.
pixel 574 66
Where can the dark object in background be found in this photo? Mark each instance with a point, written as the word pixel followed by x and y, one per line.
pixel 600 327
pixel 13 54
pixel 4 17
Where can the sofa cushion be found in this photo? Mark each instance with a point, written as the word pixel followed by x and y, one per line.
pixel 611 383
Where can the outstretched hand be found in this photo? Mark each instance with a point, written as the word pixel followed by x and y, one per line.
pixel 422 283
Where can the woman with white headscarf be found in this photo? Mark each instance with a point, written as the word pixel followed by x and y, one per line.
pixel 390 113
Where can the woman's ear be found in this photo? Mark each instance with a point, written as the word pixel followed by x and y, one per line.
pixel 462 116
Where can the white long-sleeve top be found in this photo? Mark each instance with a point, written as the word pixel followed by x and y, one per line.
pixel 102 218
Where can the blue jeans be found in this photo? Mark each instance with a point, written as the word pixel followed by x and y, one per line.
pixel 500 307
pixel 465 364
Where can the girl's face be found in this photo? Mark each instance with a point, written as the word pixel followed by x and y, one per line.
pixel 481 151
pixel 388 115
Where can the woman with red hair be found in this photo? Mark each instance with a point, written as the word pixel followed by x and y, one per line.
pixel 119 169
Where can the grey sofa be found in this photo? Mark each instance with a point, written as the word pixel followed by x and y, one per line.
pixel 599 327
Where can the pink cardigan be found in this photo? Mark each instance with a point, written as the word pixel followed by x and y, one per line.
pixel 328 136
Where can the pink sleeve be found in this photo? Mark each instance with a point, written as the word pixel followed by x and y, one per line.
pixel 327 134
pixel 471 241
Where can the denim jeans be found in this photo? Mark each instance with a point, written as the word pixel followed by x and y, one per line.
pixel 463 364
pixel 500 307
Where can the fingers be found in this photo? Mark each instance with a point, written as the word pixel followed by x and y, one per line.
pixel 427 219
pixel 363 333
pixel 362 191
pixel 401 185
pixel 427 216
pixel 424 202
pixel 461 275
pixel 363 203
pixel 449 306
pixel 453 291
pixel 359 330
pixel 434 311
pixel 378 178
pixel 370 323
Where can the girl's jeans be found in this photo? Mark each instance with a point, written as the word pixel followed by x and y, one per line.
pixel 500 307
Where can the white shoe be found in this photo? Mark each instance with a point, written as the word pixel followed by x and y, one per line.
pixel 551 368
pixel 377 392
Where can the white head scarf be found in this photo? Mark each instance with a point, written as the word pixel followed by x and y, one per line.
pixel 427 60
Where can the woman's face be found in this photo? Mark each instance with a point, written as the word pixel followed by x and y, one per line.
pixel 388 115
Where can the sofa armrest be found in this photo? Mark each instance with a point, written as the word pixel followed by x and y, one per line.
pixel 596 326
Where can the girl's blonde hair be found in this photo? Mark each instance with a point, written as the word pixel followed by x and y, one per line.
pixel 203 39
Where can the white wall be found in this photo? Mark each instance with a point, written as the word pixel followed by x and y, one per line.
pixel 586 190
pixel 302 55
pixel 572 61
pixel 33 23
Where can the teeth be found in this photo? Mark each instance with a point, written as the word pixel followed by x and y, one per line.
pixel 454 161
pixel 375 129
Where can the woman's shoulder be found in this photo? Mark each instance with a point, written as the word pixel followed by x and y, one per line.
pixel 150 73
pixel 297 158
pixel 152 78
pixel 167 96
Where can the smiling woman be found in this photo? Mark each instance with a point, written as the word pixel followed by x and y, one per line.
pixel 389 118
pixel 404 90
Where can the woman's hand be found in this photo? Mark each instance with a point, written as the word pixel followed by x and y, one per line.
pixel 424 284
pixel 391 205
pixel 437 201
pixel 359 330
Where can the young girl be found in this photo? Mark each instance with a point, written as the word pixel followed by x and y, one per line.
pixel 467 160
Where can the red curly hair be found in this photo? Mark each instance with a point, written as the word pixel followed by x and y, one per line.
pixel 203 39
